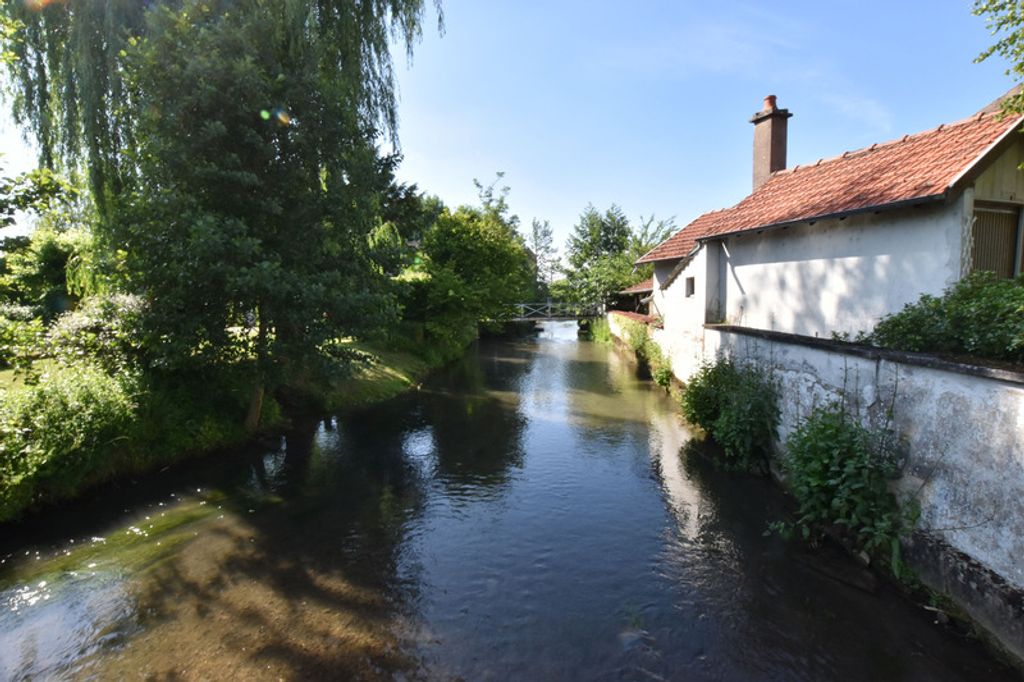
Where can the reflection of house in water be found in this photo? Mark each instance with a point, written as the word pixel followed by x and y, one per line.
pixel 667 437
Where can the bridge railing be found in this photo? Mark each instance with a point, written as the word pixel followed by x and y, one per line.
pixel 549 310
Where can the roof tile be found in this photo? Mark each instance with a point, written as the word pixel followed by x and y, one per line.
pixel 918 166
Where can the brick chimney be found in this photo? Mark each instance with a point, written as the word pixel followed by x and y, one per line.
pixel 769 140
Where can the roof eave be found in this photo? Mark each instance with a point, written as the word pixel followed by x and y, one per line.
pixel 877 208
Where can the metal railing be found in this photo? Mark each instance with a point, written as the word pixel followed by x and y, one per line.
pixel 552 310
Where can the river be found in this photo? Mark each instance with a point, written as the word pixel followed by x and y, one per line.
pixel 534 512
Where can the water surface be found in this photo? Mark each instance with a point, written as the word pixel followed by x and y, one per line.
pixel 533 512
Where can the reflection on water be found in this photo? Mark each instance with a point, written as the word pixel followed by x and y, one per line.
pixel 534 512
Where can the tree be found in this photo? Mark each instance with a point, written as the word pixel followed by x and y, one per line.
pixel 542 244
pixel 231 154
pixel 602 250
pixel 1005 20
pixel 68 65
pixel 473 265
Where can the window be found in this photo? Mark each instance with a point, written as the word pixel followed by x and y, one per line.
pixel 997 239
pixel 690 286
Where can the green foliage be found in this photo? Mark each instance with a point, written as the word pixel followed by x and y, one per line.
pixel 251 236
pixel 542 245
pixel 36 273
pixel 472 266
pixel 600 331
pixel 648 353
pixel 35 191
pixel 601 252
pixel 59 435
pixel 738 406
pixel 1005 20
pixel 20 340
pixel 839 471
pixel 982 315
pixel 103 330
pixel 70 64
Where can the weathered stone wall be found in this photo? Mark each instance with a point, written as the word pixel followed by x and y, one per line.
pixel 963 430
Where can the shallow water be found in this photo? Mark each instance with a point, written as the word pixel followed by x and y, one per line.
pixel 533 512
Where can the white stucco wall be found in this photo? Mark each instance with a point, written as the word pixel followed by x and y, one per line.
pixel 682 337
pixel 965 454
pixel 842 275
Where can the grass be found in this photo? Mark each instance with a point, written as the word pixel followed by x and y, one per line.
pixel 382 375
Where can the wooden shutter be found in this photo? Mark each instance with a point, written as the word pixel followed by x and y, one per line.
pixel 995 240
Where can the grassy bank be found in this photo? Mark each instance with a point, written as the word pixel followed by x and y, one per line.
pixel 78 426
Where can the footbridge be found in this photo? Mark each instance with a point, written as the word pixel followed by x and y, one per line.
pixel 555 311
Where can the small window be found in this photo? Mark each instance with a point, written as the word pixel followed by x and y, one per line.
pixel 690 286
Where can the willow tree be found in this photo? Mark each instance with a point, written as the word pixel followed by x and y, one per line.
pixel 67 64
pixel 232 153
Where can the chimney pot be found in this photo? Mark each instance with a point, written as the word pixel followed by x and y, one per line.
pixel 770 137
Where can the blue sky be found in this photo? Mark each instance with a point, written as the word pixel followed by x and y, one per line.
pixel 646 104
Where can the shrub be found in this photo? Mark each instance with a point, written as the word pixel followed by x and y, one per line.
pixel 19 341
pixel 839 471
pixel 60 435
pixel 648 353
pixel 600 331
pixel 982 315
pixel 737 405
pixel 104 330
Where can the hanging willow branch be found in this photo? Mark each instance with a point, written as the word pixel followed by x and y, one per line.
pixel 67 66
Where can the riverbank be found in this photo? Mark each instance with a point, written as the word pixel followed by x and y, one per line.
pixel 950 453
pixel 534 512
pixel 77 427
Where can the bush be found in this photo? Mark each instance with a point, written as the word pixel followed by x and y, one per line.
pixel 599 331
pixel 19 341
pixel 737 405
pixel 104 330
pixel 982 315
pixel 839 471
pixel 59 435
pixel 648 353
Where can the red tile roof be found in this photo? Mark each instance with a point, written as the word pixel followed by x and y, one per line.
pixel 915 168
pixel 640 287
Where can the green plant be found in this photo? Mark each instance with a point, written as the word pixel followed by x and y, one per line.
pixel 981 315
pixel 648 353
pixel 839 471
pixel 19 341
pixel 737 405
pixel 600 331
pixel 104 330
pixel 60 435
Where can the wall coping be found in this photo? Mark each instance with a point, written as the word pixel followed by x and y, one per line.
pixel 874 353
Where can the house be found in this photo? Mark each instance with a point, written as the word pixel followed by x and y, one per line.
pixel 635 298
pixel 831 247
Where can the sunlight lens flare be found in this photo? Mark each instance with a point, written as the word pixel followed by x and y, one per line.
pixel 279 114
pixel 39 5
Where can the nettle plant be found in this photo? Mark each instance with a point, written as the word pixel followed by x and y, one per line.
pixel 737 405
pixel 840 472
